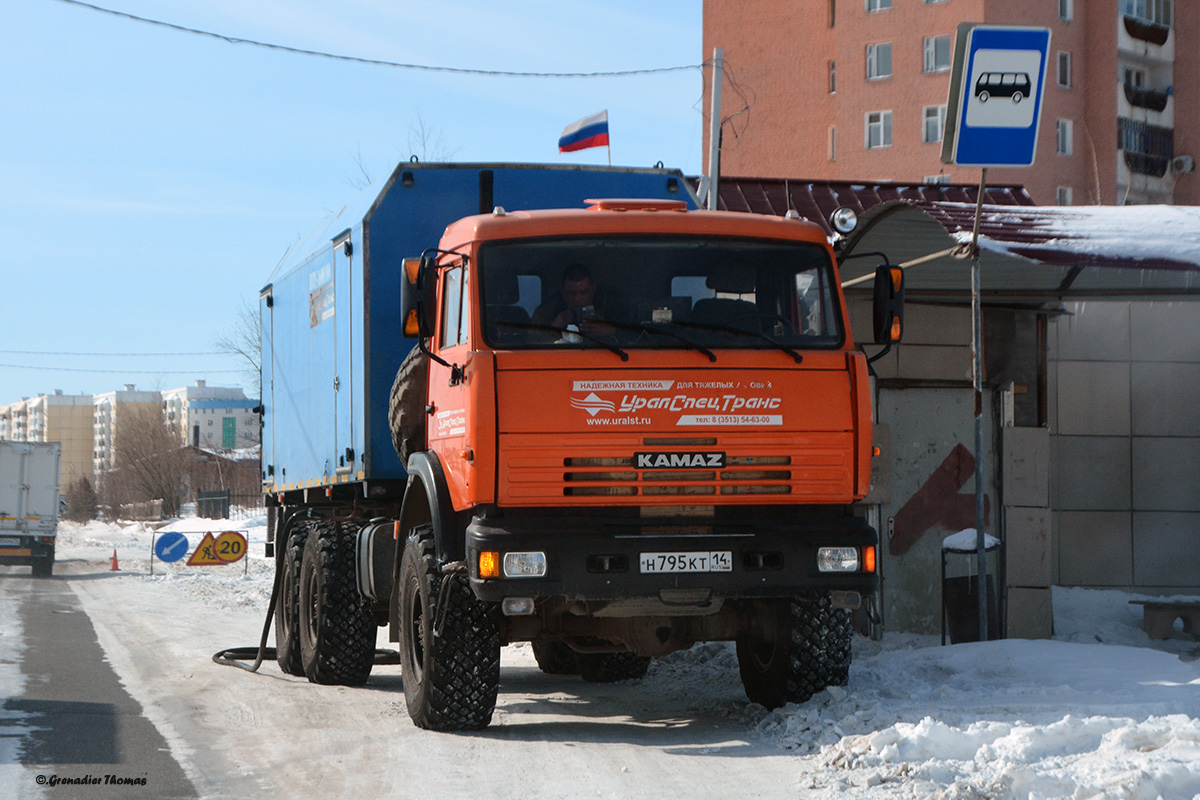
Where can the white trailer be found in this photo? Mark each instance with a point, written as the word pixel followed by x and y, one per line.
pixel 29 504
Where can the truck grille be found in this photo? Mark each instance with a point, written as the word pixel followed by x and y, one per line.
pixel 808 467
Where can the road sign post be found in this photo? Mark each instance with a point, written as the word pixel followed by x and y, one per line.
pixel 996 87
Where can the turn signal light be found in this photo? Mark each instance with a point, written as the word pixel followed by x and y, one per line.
pixel 868 560
pixel 412 325
pixel 489 564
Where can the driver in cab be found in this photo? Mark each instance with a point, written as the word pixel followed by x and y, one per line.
pixel 578 303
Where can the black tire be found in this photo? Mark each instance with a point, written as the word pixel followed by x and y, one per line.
pixel 287 607
pixel 336 628
pixel 802 646
pixel 406 407
pixel 612 667
pixel 556 658
pixel 451 678
pixel 44 567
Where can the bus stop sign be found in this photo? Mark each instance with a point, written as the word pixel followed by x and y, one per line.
pixel 996 88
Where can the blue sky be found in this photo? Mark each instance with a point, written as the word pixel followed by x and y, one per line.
pixel 150 180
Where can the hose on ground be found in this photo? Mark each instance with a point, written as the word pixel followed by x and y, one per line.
pixel 234 656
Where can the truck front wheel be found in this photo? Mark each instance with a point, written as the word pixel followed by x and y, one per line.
pixel 337 629
pixel 794 648
pixel 449 643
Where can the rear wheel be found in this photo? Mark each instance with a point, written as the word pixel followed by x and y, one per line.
pixel 795 648
pixel 44 567
pixel 287 606
pixel 449 643
pixel 556 658
pixel 612 667
pixel 336 628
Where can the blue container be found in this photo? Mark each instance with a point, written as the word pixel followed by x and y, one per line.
pixel 332 337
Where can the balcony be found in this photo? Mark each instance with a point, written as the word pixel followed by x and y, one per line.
pixel 1146 149
pixel 1146 41
pixel 1149 99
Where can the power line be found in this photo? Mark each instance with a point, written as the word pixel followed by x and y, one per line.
pixel 114 355
pixel 379 62
pixel 128 371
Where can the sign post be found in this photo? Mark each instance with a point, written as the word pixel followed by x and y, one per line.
pixel 996 87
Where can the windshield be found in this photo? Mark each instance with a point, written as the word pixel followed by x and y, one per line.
pixel 658 292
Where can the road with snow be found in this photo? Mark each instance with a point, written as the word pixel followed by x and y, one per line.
pixel 1099 712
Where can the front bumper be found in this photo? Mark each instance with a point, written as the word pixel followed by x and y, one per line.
pixel 597 559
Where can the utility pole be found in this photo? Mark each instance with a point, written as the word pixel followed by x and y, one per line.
pixel 714 130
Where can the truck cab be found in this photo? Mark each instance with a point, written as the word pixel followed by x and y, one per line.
pixel 646 427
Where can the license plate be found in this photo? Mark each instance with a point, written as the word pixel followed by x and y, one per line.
pixel 686 561
pixel 8 541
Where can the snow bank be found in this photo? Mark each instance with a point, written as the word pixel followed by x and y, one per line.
pixel 1101 711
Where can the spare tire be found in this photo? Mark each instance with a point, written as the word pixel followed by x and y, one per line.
pixel 406 408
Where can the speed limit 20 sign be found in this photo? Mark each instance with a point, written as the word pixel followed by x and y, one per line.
pixel 226 548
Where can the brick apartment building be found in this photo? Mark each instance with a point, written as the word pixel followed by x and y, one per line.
pixel 856 90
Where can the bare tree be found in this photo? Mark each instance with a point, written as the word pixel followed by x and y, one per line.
pixel 244 341
pixel 427 144
pixel 148 461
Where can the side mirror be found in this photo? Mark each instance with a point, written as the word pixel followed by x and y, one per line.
pixel 413 305
pixel 889 304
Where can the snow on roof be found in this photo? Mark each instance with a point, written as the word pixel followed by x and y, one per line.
pixel 1141 248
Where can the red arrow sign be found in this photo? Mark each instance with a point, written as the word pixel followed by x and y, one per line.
pixel 938 503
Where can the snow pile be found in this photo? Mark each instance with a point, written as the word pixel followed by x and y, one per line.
pixel 1101 711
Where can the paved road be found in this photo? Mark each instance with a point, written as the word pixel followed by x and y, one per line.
pixel 81 722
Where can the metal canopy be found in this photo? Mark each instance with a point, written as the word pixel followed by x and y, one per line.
pixel 1028 253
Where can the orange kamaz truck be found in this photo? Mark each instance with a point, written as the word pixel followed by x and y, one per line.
pixel 611 427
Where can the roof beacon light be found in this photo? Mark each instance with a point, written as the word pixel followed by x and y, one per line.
pixel 843 220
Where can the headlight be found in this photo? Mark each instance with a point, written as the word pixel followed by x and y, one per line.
pixel 524 565
pixel 837 559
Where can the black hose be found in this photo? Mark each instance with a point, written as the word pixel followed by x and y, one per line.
pixel 229 657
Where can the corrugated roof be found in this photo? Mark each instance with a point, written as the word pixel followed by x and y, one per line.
pixel 816 200
pixel 1026 250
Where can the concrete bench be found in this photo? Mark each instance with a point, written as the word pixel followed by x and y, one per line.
pixel 1158 616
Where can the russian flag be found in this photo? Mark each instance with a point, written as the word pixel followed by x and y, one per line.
pixel 588 132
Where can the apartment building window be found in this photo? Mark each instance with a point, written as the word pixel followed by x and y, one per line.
pixel 927 2
pixel 832 77
pixel 934 123
pixel 934 180
pixel 937 53
pixel 1064 137
pixel 878 5
pixel 1064 69
pixel 1066 10
pixel 879 60
pixel 1158 12
pixel 878 129
pixel 832 12
pixel 833 143
pixel 1062 196
pixel 1135 78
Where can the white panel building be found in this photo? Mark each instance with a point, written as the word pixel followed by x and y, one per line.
pixel 212 417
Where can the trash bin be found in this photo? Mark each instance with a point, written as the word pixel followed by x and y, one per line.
pixel 960 593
